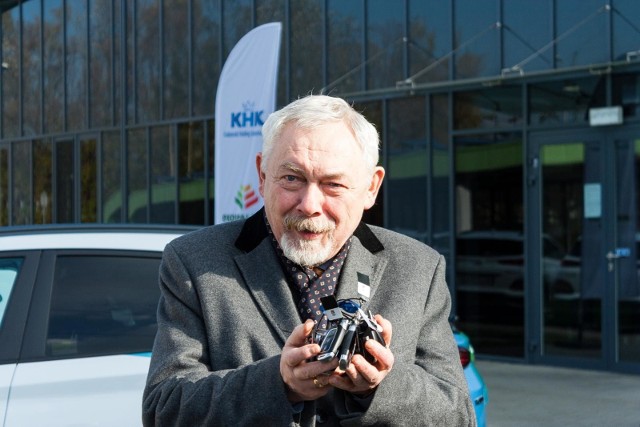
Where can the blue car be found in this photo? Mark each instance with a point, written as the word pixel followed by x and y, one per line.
pixel 477 387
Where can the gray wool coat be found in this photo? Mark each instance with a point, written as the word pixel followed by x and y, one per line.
pixel 226 310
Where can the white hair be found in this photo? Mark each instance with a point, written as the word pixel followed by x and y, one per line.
pixel 316 110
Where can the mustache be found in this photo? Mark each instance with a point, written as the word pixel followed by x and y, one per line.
pixel 308 224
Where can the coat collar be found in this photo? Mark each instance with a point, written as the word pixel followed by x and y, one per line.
pixel 268 284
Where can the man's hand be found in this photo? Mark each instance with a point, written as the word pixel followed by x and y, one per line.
pixel 361 377
pixel 305 380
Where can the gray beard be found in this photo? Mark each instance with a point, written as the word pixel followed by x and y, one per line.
pixel 306 253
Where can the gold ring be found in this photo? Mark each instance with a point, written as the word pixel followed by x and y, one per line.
pixel 317 383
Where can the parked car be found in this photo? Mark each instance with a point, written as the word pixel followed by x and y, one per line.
pixel 492 261
pixel 78 320
pixel 77 323
pixel 477 387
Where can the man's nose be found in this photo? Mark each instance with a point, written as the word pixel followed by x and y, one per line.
pixel 311 198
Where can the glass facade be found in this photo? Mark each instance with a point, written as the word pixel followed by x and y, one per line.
pixel 107 116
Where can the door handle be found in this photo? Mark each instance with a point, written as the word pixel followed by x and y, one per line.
pixel 615 254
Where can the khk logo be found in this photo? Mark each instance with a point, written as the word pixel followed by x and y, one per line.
pixel 248 117
pixel 246 197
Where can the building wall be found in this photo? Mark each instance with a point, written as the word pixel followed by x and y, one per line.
pixel 106 108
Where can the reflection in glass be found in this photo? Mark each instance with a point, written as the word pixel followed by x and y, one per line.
pixel 163 176
pixel 490 261
pixel 345 26
pixel 526 45
pixel 191 171
pixel 64 198
pixel 100 61
pixel 429 40
pixel 572 288
pixel 76 64
pixel 137 194
pixel 175 60
pixel 565 101
pixel 306 44
pixel 628 237
pixel 112 197
pixel 407 167
pixel 4 186
pixel 580 26
pixel 148 66
pixel 385 35
pixel 476 38
pixel 626 27
pixel 10 75
pixel 88 180
pixel 21 183
pixel 42 176
pixel 489 108
pixel 31 68
pixel 441 170
pixel 206 61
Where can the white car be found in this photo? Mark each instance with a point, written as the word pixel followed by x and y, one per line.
pixel 77 323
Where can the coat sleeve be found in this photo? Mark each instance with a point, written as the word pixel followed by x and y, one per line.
pixel 182 389
pixel 426 385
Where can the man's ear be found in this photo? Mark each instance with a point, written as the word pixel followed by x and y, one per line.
pixel 374 187
pixel 261 176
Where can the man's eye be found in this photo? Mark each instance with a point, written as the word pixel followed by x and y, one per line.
pixel 290 178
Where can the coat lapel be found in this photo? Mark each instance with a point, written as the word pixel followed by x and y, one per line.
pixel 266 282
pixel 360 260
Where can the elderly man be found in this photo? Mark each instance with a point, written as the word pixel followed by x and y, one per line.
pixel 239 301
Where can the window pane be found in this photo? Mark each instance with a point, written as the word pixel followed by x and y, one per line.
pixel 581 33
pixel 31 65
pixel 88 180
pixel 492 108
pixel 441 171
pixel 385 46
pixel 307 66
pixel 76 71
pixel 42 178
pixel 490 260
pixel 626 28
pixel 237 22
pixel 4 186
pixel 477 38
pixel 345 33
pixel 137 191
pixel 626 92
pixel 21 183
pixel 273 11
pixel 206 61
pixel 53 66
pixel 565 101
pixel 103 305
pixel 9 269
pixel 65 182
pixel 407 167
pixel 176 59
pixel 163 176
pixel 10 75
pixel 111 179
pixel 148 67
pixel 192 164
pixel 429 40
pixel 100 62
pixel 522 41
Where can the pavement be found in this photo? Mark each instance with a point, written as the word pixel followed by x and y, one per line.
pixel 531 395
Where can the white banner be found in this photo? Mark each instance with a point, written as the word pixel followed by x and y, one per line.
pixel 246 96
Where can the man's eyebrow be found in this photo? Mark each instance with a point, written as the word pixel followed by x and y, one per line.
pixel 290 167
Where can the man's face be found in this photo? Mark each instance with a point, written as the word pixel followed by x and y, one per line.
pixel 315 189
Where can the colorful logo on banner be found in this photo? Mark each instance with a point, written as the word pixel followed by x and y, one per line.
pixel 246 197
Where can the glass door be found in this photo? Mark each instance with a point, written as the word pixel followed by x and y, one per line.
pixel 584 228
